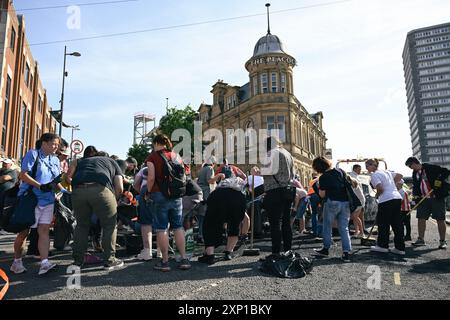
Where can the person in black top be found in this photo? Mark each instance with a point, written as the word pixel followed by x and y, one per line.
pixel 427 177
pixel 332 188
pixel 97 183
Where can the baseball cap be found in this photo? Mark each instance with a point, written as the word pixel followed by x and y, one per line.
pixel 65 152
pixel 7 161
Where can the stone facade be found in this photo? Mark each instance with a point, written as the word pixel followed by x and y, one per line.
pixel 267 101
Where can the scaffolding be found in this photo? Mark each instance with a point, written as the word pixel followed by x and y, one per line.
pixel 141 128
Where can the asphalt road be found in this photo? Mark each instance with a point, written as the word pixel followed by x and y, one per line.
pixel 424 273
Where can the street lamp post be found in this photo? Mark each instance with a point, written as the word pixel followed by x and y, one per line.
pixel 77 127
pixel 75 54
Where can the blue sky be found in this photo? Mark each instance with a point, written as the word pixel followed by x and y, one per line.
pixel 349 64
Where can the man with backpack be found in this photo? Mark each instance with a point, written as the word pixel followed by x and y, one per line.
pixel 166 183
pixel 230 171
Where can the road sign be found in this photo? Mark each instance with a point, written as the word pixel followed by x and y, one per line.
pixel 77 146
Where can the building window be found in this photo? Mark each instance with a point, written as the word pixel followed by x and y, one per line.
pixel 38 132
pixel 23 115
pixel 39 104
pixel 283 82
pixel 27 74
pixel 255 86
pixel 274 82
pixel 277 123
pixel 27 128
pixel 6 112
pixel 12 41
pixel 31 82
pixel 264 83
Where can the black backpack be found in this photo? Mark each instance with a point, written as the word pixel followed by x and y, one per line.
pixel 227 171
pixel 173 184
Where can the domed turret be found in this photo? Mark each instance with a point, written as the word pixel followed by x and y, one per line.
pixel 268 44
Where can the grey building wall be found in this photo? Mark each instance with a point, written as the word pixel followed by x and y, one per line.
pixel 426 61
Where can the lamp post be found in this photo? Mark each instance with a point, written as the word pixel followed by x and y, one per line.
pixel 75 54
pixel 77 127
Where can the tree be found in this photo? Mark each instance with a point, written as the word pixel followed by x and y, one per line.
pixel 139 152
pixel 178 118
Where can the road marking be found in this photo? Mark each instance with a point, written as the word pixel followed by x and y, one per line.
pixel 397 280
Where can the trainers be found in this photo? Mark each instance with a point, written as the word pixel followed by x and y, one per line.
pixel 419 243
pixel 321 252
pixel 408 238
pixel 91 259
pixel 346 257
pixel 442 244
pixel 207 258
pixel 46 267
pixel 184 264
pixel 162 266
pixel 17 267
pixel 144 255
pixel 113 264
pixel 228 255
pixel 398 252
pixel 379 249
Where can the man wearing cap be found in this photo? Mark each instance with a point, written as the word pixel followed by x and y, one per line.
pixel 426 178
pixel 8 179
pixel 63 154
pixel 8 176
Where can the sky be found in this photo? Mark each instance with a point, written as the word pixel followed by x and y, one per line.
pixel 349 56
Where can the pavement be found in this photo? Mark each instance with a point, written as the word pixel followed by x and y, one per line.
pixel 424 273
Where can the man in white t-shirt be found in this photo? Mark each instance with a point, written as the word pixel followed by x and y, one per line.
pixel 389 204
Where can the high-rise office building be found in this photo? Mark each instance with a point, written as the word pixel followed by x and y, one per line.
pixel 426 60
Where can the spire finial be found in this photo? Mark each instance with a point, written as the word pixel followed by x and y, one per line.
pixel 268 18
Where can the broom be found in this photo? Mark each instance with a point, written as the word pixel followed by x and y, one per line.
pixel 371 241
pixel 252 251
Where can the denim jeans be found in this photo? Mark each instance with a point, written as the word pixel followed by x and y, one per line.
pixel 341 211
pixel 304 203
pixel 314 200
pixel 166 211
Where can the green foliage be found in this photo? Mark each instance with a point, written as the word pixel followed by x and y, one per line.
pixel 139 152
pixel 176 119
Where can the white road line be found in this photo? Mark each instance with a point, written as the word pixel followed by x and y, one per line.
pixel 397 280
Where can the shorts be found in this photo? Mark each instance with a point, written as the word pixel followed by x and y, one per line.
pixel 43 215
pixel 166 211
pixel 432 207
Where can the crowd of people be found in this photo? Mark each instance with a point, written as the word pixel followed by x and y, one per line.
pixel 168 197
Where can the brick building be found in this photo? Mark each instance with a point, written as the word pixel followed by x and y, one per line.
pixel 24 109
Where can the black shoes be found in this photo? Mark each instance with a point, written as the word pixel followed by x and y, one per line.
pixel 207 258
pixel 228 255
pixel 346 257
pixel 322 252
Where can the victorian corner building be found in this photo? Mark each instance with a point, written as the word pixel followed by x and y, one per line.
pixel 267 101
pixel 24 111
